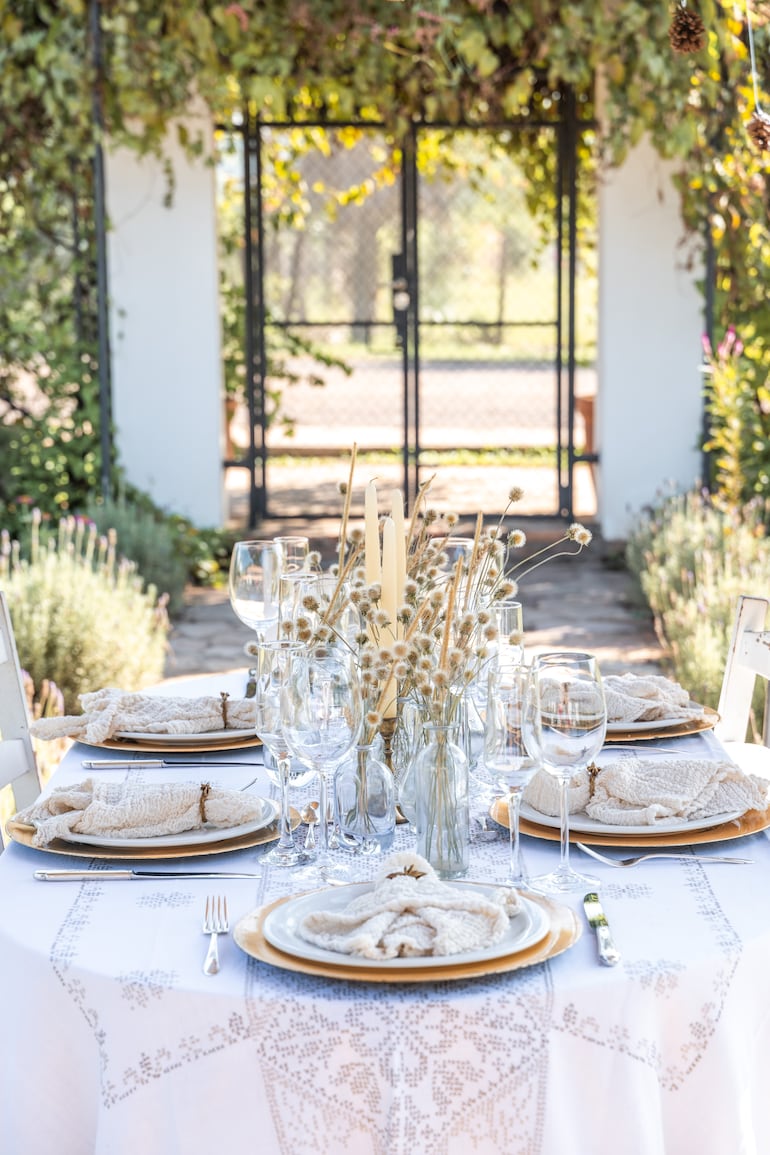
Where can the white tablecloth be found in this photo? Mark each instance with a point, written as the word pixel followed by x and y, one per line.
pixel 114 1042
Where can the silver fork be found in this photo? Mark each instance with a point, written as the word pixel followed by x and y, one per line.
pixel 214 923
pixel 658 854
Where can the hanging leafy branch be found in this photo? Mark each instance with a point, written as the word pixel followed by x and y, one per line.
pixel 441 62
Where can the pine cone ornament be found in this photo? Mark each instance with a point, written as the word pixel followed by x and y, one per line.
pixel 687 32
pixel 758 129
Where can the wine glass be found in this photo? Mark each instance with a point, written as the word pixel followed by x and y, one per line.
pixel 457 549
pixel 507 759
pixel 293 552
pixel 321 715
pixel 292 586
pixel 509 621
pixel 253 585
pixel 273 665
pixel 567 727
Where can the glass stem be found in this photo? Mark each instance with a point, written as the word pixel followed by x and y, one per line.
pixel 564 825
pixel 518 877
pixel 323 817
pixel 283 765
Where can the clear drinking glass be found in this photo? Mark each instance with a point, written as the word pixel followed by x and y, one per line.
pixel 507 759
pixel 253 585
pixel 321 714
pixel 292 588
pixel 273 664
pixel 293 552
pixel 457 549
pixel 568 725
pixel 509 619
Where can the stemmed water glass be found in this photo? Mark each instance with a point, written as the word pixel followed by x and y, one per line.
pixel 507 759
pixel 321 715
pixel 273 666
pixel 508 654
pixel 509 621
pixel 253 585
pixel 568 726
pixel 293 552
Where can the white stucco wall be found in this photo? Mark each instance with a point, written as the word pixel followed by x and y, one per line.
pixel 649 402
pixel 166 366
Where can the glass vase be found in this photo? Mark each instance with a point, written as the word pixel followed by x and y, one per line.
pixel 364 801
pixel 407 741
pixel 441 790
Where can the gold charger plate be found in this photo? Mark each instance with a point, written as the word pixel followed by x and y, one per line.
pixel 678 730
pixel 243 741
pixel 749 823
pixel 23 835
pixel 564 931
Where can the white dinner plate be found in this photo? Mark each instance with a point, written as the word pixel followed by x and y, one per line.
pixel 281 929
pixel 268 815
pixel 209 737
pixel 580 823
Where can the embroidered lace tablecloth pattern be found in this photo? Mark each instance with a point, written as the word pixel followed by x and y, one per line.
pixel 114 1027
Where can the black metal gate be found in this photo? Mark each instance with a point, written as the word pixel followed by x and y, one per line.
pixel 444 328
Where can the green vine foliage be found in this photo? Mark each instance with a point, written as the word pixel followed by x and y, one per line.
pixel 738 401
pixel 441 62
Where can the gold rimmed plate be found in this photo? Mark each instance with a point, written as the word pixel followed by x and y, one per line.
pixel 24 834
pixel 563 931
pixel 749 823
pixel 178 744
pixel 648 733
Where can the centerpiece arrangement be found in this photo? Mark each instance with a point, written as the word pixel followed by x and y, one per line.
pixel 416 610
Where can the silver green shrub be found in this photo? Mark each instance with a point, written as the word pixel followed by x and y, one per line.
pixel 692 560
pixel 80 615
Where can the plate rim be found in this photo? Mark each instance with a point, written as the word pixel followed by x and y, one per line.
pixel 751 822
pixel 164 737
pixel 565 929
pixel 425 962
pixel 23 835
pixel 197 837
pixel 680 729
pixel 554 822
pixel 241 740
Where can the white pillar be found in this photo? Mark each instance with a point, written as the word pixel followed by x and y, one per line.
pixel 164 330
pixel 650 327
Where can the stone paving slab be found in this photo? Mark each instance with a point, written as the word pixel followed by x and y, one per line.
pixel 583 602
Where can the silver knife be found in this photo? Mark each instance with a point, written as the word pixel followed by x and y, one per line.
pixel 110 875
pixel 152 763
pixel 608 952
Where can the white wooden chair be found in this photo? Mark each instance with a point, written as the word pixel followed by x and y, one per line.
pixel 18 765
pixel 748 659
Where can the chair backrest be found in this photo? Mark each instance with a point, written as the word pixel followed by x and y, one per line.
pixel 18 765
pixel 748 658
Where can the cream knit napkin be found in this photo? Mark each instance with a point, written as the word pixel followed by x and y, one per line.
pixel 110 711
pixel 644 698
pixel 410 913
pixel 131 810
pixel 654 791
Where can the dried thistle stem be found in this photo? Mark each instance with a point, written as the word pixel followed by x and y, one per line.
pixel 346 506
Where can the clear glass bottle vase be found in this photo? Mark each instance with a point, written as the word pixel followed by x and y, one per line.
pixel 364 801
pixel 441 789
pixel 407 741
